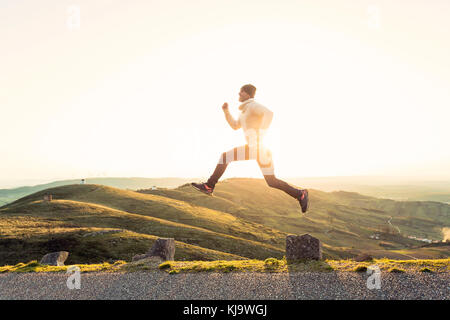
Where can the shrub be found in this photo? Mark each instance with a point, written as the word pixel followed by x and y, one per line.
pixel 229 268
pixel 395 270
pixel 165 265
pixel 360 268
pixel 271 262
pixel 33 263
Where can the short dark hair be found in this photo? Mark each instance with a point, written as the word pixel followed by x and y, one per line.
pixel 250 89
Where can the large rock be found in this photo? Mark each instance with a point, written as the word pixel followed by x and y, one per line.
pixel 163 248
pixel 55 258
pixel 304 247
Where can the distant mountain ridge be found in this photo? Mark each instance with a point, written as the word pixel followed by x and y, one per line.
pixel 402 190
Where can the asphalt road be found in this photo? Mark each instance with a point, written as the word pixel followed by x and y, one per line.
pixel 248 286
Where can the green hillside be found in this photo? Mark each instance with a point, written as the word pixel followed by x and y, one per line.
pixel 244 219
pixel 379 187
pixel 77 207
pixel 343 220
pixel 133 183
pixel 395 188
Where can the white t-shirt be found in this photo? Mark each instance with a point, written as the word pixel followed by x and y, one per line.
pixel 254 119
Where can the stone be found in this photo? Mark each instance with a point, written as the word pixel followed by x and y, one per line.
pixel 55 258
pixel 304 247
pixel 163 248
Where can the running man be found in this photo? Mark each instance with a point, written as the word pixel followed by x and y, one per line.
pixel 254 119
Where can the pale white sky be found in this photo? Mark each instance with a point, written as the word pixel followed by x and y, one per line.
pixel 136 88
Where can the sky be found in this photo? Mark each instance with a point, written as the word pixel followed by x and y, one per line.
pixel 93 88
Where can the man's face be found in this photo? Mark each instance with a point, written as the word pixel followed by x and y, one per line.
pixel 243 96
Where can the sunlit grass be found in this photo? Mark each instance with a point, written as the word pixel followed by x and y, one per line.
pixel 77 208
pixel 34 266
pixel 236 224
pixel 390 265
pixel 268 265
pixel 281 265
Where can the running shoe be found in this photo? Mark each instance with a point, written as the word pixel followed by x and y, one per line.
pixel 203 187
pixel 303 200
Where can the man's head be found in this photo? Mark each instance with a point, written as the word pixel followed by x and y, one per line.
pixel 247 92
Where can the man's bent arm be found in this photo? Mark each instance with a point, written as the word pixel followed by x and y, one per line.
pixel 235 124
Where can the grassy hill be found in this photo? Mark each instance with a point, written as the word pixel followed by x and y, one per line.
pixel 244 220
pixel 395 188
pixel 11 194
pixel 30 223
pixel 374 186
pixel 343 220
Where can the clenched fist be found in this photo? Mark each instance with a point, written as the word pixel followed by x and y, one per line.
pixel 225 106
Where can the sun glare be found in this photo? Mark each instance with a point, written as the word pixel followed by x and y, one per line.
pixel 346 98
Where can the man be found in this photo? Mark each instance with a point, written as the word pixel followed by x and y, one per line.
pixel 254 119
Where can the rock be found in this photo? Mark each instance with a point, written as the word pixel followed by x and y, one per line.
pixel 163 248
pixel 55 258
pixel 363 257
pixel 304 247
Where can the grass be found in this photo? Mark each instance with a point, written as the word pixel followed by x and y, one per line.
pixel 34 266
pixel 281 265
pixel 80 207
pixel 245 219
pixel 360 268
pixel 107 247
pixel 351 216
pixel 391 265
pixel 225 266
pixel 155 206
